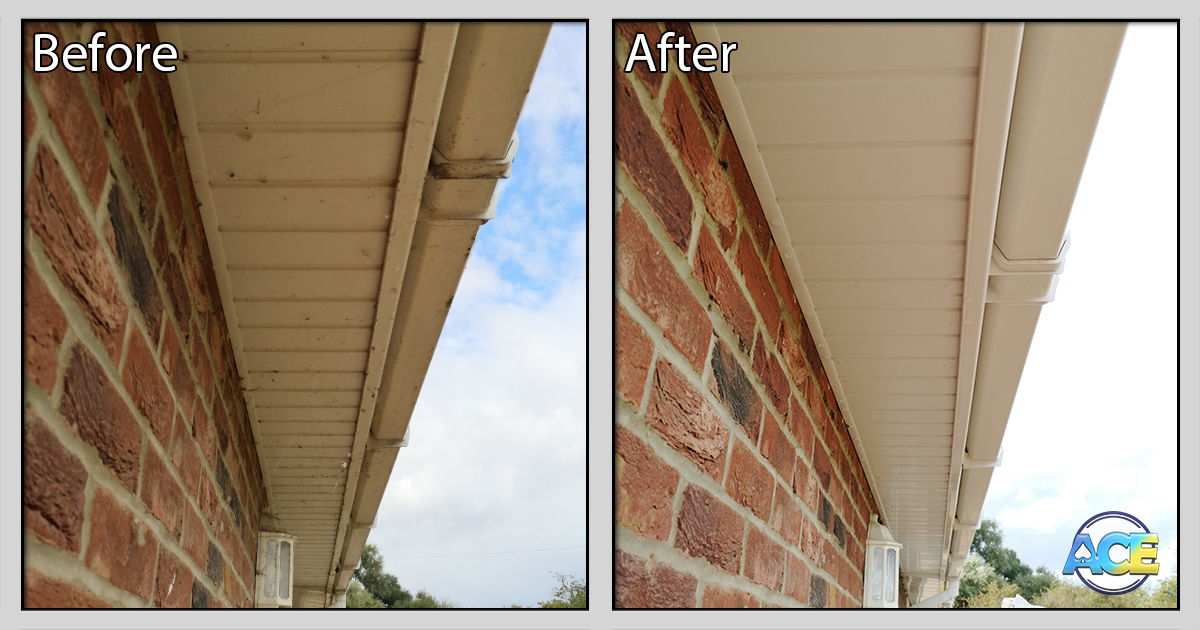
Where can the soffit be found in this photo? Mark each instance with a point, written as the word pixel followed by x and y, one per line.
pixel 865 134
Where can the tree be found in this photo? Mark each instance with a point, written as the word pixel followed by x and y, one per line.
pixel 383 587
pixel 991 595
pixel 571 592
pixel 989 545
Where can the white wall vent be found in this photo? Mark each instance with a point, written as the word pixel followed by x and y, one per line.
pixel 881 588
pixel 274 579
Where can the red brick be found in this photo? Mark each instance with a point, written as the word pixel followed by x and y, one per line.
pixel 74 250
pixel 177 292
pixel 645 273
pixel 121 548
pixel 204 435
pixel 71 113
pixel 812 398
pixel 686 421
pixel 627 29
pixel 716 596
pixel 784 289
pixel 120 117
pixel 796 582
pixel 804 485
pixel 733 388
pixel 28 121
pixel 45 326
pixel 162 495
pixel 712 269
pixel 793 356
pixel 778 450
pixel 160 152
pixel 45 592
pixel 643 583
pixel 812 545
pixel 185 458
pixel 53 487
pixel 195 539
pixel 749 482
pixel 760 289
pixel 743 186
pixel 174 584
pixel 634 354
pixel 764 560
pixel 767 367
pixel 709 529
pixel 786 517
pixel 94 410
pixel 641 150
pixel 822 468
pixel 175 364
pixel 146 386
pixel 645 488
pixel 683 128
pixel 706 93
pixel 800 426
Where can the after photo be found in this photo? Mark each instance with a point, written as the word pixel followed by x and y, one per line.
pixel 896 315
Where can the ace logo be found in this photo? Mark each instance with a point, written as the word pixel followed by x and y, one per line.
pixel 1113 553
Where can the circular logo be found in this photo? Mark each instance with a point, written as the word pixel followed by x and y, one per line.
pixel 1110 563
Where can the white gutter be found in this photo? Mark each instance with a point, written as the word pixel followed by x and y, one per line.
pixel 941 599
pixel 473 146
pixel 1062 81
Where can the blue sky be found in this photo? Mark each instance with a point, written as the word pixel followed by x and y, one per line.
pixel 1094 425
pixel 497 454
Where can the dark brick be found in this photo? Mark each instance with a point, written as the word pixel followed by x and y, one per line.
pixel 735 390
pixel 131 254
pixel 818 592
pixel 199 595
pixel 839 530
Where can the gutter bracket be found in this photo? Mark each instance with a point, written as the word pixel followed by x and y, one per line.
pixel 1024 281
pixel 971 462
pixel 441 167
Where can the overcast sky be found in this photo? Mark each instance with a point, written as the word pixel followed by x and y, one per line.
pixel 1094 427
pixel 496 460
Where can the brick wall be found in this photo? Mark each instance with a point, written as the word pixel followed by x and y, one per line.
pixel 736 484
pixel 141 484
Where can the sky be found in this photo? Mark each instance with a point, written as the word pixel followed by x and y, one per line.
pixel 1094 425
pixel 488 501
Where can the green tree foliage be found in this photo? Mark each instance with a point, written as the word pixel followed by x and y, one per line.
pixel 991 595
pixel 571 592
pixel 379 586
pixel 989 544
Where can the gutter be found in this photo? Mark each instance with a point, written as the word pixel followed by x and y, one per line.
pixel 1062 81
pixel 474 145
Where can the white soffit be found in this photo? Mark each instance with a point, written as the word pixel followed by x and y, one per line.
pixel 879 153
pixel 860 139
pixel 336 250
